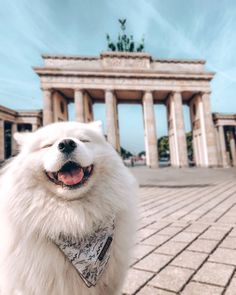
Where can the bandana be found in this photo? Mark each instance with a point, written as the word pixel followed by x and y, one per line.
pixel 89 255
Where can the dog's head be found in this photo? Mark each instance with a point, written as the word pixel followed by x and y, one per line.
pixel 66 158
pixel 66 179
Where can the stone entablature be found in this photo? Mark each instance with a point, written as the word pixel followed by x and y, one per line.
pixel 21 116
pixel 224 119
pixel 124 71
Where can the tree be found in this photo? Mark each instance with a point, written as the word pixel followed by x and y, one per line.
pixel 124 42
pixel 163 146
pixel 125 154
pixel 143 153
pixel 189 140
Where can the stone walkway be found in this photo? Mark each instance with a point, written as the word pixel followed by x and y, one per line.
pixel 186 240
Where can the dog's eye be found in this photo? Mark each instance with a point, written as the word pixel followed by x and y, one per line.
pixel 46 146
pixel 84 140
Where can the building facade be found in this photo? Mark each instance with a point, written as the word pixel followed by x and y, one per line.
pixel 12 121
pixel 225 128
pixel 137 78
pixel 122 77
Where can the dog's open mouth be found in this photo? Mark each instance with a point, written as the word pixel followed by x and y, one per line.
pixel 71 175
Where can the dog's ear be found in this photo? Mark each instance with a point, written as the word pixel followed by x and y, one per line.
pixel 22 137
pixel 97 126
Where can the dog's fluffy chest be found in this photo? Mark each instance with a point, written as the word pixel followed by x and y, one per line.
pixel 48 271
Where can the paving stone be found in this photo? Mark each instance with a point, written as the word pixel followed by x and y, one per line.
pixel 233 233
pixel 153 262
pixel 229 242
pixel 171 230
pixel 180 223
pixel 148 290
pixel 171 278
pixel 231 288
pixel 225 256
pixel 132 261
pixel 155 240
pixel 145 222
pixel 214 273
pixel 197 228
pixel 189 259
pixel 228 219
pixel 141 250
pixel 158 225
pixel 171 248
pixel 144 233
pixel 185 237
pixel 211 234
pixel 205 246
pixel 165 261
pixel 134 280
pixel 223 227
pixel 201 289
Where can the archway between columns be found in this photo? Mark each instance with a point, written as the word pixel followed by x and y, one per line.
pixel 204 152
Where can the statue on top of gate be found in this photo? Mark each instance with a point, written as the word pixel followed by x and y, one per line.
pixel 124 43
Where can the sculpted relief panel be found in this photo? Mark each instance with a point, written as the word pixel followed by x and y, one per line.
pixel 118 62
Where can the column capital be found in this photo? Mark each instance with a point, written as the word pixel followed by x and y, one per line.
pixel 79 89
pixel 148 91
pixel 111 90
pixel 176 92
pixel 208 92
pixel 148 95
pixel 43 88
pixel 173 93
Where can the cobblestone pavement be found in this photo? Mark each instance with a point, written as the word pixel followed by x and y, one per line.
pixel 186 241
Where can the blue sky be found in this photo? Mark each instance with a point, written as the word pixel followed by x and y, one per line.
pixel 202 29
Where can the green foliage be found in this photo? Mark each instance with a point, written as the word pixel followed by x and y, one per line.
pixel 163 146
pixel 143 153
pixel 189 139
pixel 125 154
pixel 124 42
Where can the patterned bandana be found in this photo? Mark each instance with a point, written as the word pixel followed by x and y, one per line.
pixel 89 255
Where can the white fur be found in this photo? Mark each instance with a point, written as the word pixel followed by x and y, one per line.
pixel 33 211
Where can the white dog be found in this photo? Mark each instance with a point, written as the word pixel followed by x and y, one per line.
pixel 67 214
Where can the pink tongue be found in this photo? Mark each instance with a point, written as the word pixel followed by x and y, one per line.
pixel 71 177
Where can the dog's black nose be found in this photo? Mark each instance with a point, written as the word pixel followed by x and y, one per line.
pixel 67 146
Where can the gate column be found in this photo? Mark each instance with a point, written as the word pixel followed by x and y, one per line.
pixel 150 130
pixel 79 105
pixel 2 141
pixel 177 137
pixel 47 107
pixel 112 119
